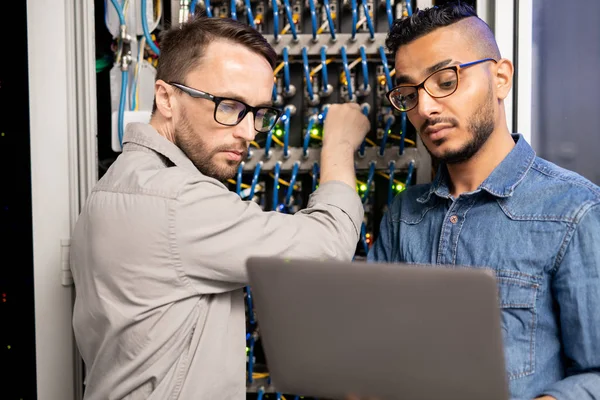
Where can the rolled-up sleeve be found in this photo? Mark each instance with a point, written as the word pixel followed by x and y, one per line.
pixel 214 231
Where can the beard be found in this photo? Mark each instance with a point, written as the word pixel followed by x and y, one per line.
pixel 480 127
pixel 201 155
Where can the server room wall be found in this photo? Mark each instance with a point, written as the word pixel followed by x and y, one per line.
pixel 332 52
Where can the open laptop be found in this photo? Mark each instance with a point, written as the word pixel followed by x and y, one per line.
pixel 383 331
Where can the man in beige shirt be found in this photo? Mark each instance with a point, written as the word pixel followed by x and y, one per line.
pixel 159 251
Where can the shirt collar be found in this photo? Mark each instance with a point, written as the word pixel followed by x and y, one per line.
pixel 145 135
pixel 503 180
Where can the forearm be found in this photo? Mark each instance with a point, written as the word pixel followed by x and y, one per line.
pixel 337 164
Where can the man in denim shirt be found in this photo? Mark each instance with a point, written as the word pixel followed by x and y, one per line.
pixel 495 204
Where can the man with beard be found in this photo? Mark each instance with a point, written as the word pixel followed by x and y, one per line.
pixel 159 250
pixel 495 204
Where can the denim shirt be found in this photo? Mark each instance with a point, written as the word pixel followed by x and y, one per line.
pixel 538 226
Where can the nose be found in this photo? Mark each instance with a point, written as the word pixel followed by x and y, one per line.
pixel 245 129
pixel 428 106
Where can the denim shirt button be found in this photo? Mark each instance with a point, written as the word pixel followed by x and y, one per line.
pixel 454 219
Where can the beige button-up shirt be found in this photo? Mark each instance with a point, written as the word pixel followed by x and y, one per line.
pixel 158 258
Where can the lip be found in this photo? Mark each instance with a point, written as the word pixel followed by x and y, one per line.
pixel 234 155
pixel 438 132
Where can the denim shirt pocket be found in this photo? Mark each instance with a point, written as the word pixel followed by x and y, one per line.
pixel 517 294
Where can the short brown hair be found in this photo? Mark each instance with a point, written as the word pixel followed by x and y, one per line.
pixel 182 46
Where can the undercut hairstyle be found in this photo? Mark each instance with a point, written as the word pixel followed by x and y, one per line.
pixel 422 22
pixel 182 47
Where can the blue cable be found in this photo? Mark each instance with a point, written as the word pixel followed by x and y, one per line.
pixel 208 9
pixel 193 6
pixel 354 7
pixel 324 68
pixel 278 395
pixel 274 95
pixel 309 87
pixel 275 20
pixel 388 10
pixel 119 10
pixel 408 7
pixel 286 130
pixel 233 7
pixel 251 360
pixel 288 12
pixel 361 151
pixel 315 176
pixel 329 19
pixel 250 16
pixel 268 143
pixel 311 122
pixel 286 68
pixel 261 391
pixel 386 129
pixel 365 68
pixel 363 237
pixel 386 68
pixel 122 100
pixel 347 72
pixel 369 181
pixel 391 184
pixel 403 133
pixel 250 306
pixel 147 31
pixel 323 114
pixel 238 184
pixel 411 168
pixel 255 179
pixel 276 185
pixel 369 21
pixel 290 189
pixel 313 18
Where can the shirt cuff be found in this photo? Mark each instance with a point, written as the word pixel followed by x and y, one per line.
pixel 342 196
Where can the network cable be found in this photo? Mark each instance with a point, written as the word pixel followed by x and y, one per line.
pixel 411 167
pixel 388 10
pixel 354 8
pixel 309 87
pixel 313 18
pixel 146 30
pixel 369 181
pixel 275 20
pixel 249 14
pixel 347 73
pixel 365 69
pixel 286 69
pixel 369 21
pixel 386 69
pixel 324 77
pixel 288 12
pixel 286 128
pixel 257 169
pixel 290 189
pixel 329 19
pixel 238 185
pixel 391 182
pixel 276 185
pixel 403 133
pixel 315 176
pixel 386 131
pixel 306 141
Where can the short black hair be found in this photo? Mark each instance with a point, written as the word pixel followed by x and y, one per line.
pixel 422 22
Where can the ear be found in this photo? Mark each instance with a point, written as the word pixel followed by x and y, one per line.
pixel 163 93
pixel 504 77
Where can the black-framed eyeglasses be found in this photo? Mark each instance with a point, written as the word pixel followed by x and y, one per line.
pixel 441 83
pixel 230 112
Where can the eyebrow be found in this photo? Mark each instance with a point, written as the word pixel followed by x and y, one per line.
pixel 402 79
pixel 238 98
